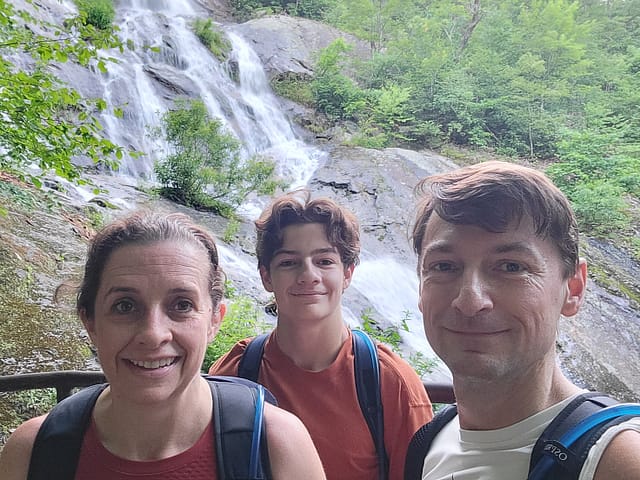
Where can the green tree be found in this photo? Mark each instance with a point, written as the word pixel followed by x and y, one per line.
pixel 42 120
pixel 206 169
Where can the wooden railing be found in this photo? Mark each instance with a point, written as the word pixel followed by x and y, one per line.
pixel 65 381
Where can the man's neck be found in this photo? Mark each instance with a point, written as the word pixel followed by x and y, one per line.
pixel 490 405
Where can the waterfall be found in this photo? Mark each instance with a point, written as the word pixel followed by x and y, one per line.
pixel 144 82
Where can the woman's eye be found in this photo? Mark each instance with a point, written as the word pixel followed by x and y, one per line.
pixel 123 307
pixel 184 306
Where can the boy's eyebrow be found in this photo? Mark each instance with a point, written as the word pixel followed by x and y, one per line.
pixel 318 251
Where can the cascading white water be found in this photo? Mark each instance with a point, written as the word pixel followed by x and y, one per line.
pixel 248 108
pixel 180 62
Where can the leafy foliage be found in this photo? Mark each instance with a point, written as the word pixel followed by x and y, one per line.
pixel 206 170
pixel 242 320
pixel 99 13
pixel 212 38
pixel 44 121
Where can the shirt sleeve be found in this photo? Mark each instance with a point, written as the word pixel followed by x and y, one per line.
pixel 228 363
pixel 406 407
pixel 595 454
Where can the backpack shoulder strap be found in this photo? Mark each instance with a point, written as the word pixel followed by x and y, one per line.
pixel 57 445
pixel 422 439
pixel 566 463
pixel 367 377
pixel 241 444
pixel 249 366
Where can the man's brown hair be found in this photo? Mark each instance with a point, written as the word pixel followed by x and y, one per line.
pixel 492 195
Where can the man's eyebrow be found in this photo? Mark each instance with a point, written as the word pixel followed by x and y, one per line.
pixel 520 247
pixel 444 246
pixel 441 246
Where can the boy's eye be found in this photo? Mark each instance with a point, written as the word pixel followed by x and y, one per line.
pixel 326 261
pixel 286 263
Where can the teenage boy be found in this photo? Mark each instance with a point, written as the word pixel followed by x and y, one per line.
pixel 307 251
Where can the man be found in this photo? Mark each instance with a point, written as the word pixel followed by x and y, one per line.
pixel 307 251
pixel 498 262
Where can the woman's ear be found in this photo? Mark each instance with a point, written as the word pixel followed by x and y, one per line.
pixel 576 289
pixel 89 324
pixel 216 321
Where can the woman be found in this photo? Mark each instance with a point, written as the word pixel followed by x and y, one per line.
pixel 150 301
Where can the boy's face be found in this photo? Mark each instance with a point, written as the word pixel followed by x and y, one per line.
pixel 307 276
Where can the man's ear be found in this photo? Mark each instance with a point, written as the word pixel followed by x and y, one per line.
pixel 348 275
pixel 216 321
pixel 576 289
pixel 266 279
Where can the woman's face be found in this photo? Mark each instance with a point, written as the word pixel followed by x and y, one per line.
pixel 153 319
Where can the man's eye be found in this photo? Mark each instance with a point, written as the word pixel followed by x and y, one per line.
pixel 286 263
pixel 511 267
pixel 442 267
pixel 123 307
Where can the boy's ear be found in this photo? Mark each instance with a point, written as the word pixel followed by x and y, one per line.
pixel 348 275
pixel 265 276
pixel 576 289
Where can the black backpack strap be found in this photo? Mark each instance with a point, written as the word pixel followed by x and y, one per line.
pixel 241 445
pixel 249 366
pixel 57 445
pixel 568 462
pixel 422 439
pixel 367 373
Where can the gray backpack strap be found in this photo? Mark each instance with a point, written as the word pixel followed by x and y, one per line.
pixel 57 445
pixel 238 407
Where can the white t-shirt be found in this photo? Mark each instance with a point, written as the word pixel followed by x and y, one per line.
pixel 501 454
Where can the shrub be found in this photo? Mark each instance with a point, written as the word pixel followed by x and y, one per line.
pixel 242 320
pixel 600 208
pixel 212 38
pixel 99 13
pixel 206 171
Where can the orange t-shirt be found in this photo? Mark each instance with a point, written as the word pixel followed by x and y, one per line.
pixel 327 403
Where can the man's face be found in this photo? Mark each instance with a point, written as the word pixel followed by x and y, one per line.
pixel 307 276
pixel 491 301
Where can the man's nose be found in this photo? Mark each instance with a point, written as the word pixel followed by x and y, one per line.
pixel 473 296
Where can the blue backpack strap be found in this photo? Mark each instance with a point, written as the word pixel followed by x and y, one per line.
pixel 422 439
pixel 249 366
pixel 367 373
pixel 562 449
pixel 57 445
pixel 241 445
